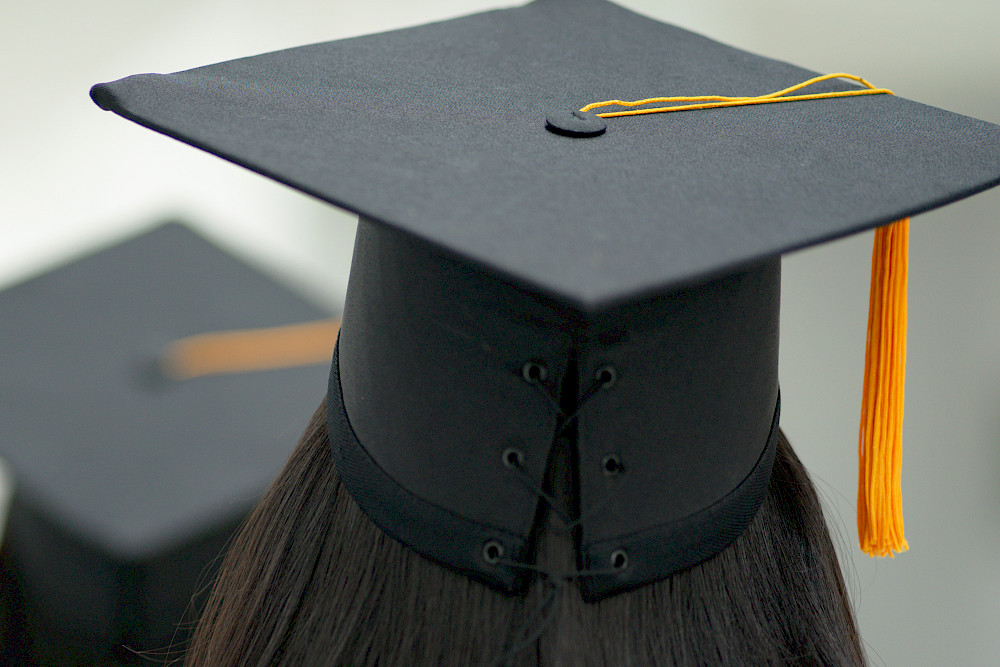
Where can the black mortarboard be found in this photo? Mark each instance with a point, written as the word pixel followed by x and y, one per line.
pixel 128 482
pixel 654 244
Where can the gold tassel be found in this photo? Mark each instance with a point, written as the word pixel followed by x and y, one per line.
pixel 223 352
pixel 880 442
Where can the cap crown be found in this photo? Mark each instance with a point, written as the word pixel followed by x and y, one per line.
pixel 440 130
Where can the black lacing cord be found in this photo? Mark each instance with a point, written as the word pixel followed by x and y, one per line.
pixel 555 589
pixel 556 583
pixel 568 522
pixel 566 420
pixel 540 619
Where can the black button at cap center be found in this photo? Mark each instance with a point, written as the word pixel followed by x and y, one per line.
pixel 575 123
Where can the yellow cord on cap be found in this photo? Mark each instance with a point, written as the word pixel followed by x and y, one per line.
pixel 692 103
pixel 880 442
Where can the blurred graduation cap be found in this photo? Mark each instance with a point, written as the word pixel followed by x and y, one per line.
pixel 478 137
pixel 133 459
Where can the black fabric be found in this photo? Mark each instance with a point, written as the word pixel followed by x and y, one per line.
pixel 430 128
pixel 435 531
pixel 431 359
pixel 692 403
pixel 691 406
pixel 431 388
pixel 128 484
pixel 684 542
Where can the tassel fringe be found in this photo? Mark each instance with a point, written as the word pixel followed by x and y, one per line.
pixel 880 442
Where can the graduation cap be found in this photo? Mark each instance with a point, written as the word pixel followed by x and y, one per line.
pixel 612 264
pixel 134 455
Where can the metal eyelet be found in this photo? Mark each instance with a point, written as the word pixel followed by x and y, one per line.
pixel 606 376
pixel 492 552
pixel 512 457
pixel 534 372
pixel 612 465
pixel 618 559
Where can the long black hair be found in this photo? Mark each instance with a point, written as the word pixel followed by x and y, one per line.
pixel 309 580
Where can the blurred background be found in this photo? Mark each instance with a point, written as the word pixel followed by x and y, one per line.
pixel 74 179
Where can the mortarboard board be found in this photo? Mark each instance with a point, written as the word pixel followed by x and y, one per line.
pixel 444 133
pixel 128 482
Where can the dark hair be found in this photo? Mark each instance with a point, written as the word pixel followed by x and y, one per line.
pixel 309 580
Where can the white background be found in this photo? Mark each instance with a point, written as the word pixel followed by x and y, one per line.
pixel 74 178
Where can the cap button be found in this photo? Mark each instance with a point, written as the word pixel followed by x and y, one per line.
pixel 575 123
